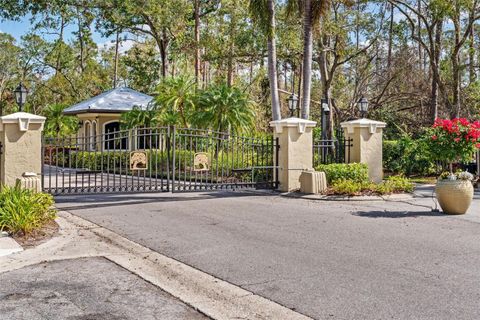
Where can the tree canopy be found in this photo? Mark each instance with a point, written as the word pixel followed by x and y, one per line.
pixel 415 60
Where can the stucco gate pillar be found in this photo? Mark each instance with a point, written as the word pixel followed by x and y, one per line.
pixel 21 152
pixel 296 150
pixel 367 145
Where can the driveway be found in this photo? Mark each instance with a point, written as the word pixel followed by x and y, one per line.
pixel 85 289
pixel 328 260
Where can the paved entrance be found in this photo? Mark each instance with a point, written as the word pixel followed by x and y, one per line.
pixel 85 289
pixel 328 260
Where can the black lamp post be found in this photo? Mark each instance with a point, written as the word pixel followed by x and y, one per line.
pixel 292 104
pixel 324 116
pixel 21 95
pixel 363 106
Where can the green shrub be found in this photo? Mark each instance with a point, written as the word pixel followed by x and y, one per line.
pixel 395 184
pixel 23 210
pixel 356 172
pixel 408 156
pixel 352 188
pixel 398 184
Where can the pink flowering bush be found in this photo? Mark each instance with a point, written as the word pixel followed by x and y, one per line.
pixel 454 140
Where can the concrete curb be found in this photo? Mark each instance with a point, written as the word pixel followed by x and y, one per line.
pixel 321 197
pixel 8 246
pixel 215 298
pixel 318 197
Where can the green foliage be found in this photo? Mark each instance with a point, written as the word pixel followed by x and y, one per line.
pixel 142 64
pixel 351 187
pixel 224 109
pixel 408 156
pixel 394 184
pixel 356 172
pixel 23 210
pixel 57 124
pixel 137 118
pixel 175 101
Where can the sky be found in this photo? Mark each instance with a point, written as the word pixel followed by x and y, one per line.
pixel 18 28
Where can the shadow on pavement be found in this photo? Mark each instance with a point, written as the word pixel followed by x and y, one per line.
pixel 90 201
pixel 397 214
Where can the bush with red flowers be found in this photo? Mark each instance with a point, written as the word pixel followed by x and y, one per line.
pixel 454 140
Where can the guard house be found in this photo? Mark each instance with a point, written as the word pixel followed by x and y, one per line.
pixel 101 114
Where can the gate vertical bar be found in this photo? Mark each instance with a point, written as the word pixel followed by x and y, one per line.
pixel 277 149
pixel 173 135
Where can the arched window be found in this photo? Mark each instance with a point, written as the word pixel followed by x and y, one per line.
pixel 87 135
pixel 114 138
pixel 94 135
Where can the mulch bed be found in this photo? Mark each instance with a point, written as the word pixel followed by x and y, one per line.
pixel 48 231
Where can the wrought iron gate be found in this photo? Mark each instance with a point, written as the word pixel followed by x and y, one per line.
pixel 157 159
pixel 209 160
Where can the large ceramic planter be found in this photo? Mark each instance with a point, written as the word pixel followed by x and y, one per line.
pixel 454 196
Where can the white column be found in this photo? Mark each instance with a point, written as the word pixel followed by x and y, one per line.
pixel 21 138
pixel 295 153
pixel 367 144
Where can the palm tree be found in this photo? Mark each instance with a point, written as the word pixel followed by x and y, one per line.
pixel 143 120
pixel 175 101
pixel 263 13
pixel 57 123
pixel 137 117
pixel 312 11
pixel 224 109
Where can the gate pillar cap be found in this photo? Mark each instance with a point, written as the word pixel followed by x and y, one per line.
pixel 363 123
pixel 301 124
pixel 23 119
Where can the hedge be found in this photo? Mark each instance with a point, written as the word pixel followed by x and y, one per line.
pixel 408 156
pixel 356 172
pixel 118 162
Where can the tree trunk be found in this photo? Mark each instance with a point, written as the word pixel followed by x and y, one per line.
pixel 272 62
pixel 307 57
pixel 300 84
pixel 390 40
pixel 60 41
pixel 419 34
pixel 231 46
pixel 81 44
pixel 197 42
pixel 456 86
pixel 434 65
pixel 163 43
pixel 471 57
pixel 455 60
pixel 115 66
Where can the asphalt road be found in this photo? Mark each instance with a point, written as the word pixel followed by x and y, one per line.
pixel 328 260
pixel 85 289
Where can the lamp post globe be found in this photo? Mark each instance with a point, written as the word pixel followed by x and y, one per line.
pixel 325 106
pixel 292 103
pixel 21 95
pixel 363 106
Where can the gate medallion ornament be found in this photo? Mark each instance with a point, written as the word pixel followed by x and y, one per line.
pixel 138 160
pixel 201 162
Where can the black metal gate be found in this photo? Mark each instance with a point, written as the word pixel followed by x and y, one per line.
pixel 209 160
pixel 157 159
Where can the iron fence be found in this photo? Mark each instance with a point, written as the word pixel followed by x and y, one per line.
pixel 332 150
pixel 157 159
pixel 210 160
